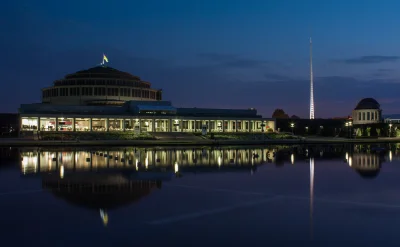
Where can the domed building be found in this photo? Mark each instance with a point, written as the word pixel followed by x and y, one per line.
pixel 100 85
pixel 102 99
pixel 367 118
pixel 367 111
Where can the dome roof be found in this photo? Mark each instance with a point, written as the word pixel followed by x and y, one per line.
pixel 368 104
pixel 94 191
pixel 368 174
pixel 110 200
pixel 102 72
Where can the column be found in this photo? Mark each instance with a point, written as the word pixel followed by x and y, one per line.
pixel 180 125
pixel 107 124
pixel 223 126
pixel 73 125
pixel 90 124
pixel 123 124
pixel 56 123
pixel 140 125
pixel 169 125
pixel 153 125
pixel 236 126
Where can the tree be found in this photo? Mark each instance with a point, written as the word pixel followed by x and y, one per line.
pixel 279 113
pixel 294 117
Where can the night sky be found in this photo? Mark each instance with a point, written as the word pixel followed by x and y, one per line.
pixel 210 53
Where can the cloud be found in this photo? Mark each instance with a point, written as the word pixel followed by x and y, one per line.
pixel 380 73
pixel 384 70
pixel 233 61
pixel 276 77
pixel 369 60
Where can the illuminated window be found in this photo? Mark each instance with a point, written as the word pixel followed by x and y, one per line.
pixel 29 123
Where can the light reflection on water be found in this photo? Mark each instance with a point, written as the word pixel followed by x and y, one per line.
pixel 362 159
pixel 103 180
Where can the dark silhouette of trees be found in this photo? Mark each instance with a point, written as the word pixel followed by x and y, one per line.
pixel 294 117
pixel 279 113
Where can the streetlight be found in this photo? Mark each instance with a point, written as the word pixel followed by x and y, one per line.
pixel 348 127
pixel 292 126
pixel 350 131
pixel 390 129
pixel 306 130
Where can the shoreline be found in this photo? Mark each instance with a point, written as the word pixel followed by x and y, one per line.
pixel 38 143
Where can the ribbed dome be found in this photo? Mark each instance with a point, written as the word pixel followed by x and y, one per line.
pixel 368 104
pixel 368 173
pixel 102 72
pixel 107 191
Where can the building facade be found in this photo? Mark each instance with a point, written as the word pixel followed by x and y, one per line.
pixel 125 110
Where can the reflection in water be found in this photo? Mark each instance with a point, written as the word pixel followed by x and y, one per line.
pixel 104 217
pixel 39 161
pixel 311 195
pixel 366 165
pixel 99 191
pixel 106 179
pixel 363 160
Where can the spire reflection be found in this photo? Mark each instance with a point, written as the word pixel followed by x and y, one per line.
pixel 311 195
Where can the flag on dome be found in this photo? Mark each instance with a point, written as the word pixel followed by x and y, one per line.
pixel 105 58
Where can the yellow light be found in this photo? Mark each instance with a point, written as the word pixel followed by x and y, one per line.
pixel 61 171
pixel 219 161
pixel 176 167
pixel 390 155
pixel 292 159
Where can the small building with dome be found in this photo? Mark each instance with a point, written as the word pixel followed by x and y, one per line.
pixel 367 118
pixel 367 111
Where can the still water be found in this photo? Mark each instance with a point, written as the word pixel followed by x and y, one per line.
pixel 259 196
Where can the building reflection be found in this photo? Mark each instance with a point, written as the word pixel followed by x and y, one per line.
pixel 96 191
pixel 140 159
pixel 367 165
pixel 107 179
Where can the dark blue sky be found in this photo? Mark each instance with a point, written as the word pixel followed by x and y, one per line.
pixel 210 53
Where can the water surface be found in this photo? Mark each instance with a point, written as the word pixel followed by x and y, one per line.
pixel 258 196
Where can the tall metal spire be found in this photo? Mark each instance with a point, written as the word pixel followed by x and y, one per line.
pixel 311 84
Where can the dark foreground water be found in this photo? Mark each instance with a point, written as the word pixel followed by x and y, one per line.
pixel 265 196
